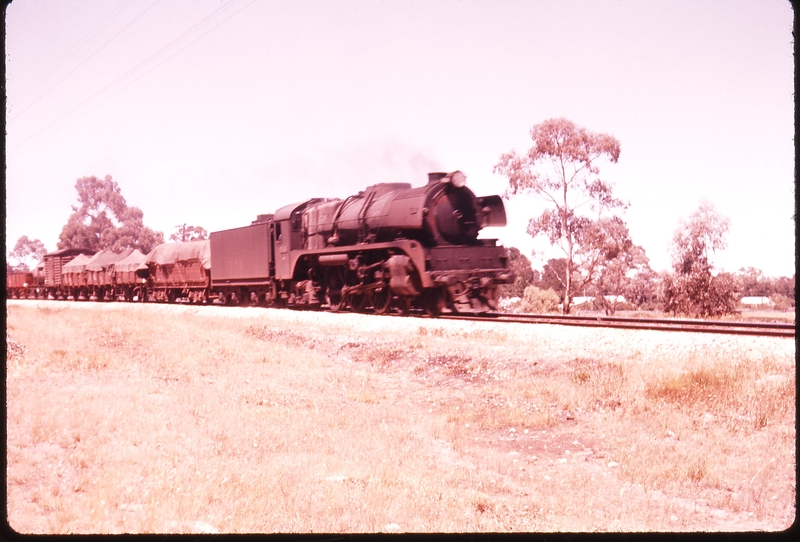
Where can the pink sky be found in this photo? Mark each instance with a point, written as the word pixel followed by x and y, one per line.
pixel 209 112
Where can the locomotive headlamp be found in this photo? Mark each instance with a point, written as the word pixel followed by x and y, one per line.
pixel 457 179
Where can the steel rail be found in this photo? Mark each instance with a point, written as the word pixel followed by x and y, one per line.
pixel 763 329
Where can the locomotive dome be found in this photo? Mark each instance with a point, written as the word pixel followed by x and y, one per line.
pixel 456 178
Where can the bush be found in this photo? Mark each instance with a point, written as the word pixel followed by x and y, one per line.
pixel 597 304
pixel 537 301
pixel 651 306
pixel 700 294
pixel 509 304
pixel 782 302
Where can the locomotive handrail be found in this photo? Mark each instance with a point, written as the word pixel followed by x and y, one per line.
pixel 334 238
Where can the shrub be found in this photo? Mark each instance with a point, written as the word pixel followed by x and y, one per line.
pixel 509 304
pixel 598 305
pixel 782 302
pixel 537 301
pixel 700 294
pixel 651 306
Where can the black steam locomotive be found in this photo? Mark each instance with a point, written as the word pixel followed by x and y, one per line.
pixel 389 246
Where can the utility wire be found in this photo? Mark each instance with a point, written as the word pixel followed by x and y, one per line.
pixel 87 59
pixel 64 119
pixel 220 23
pixel 75 46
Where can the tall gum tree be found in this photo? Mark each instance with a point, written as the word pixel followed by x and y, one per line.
pixel 693 288
pixel 561 169
pixel 104 221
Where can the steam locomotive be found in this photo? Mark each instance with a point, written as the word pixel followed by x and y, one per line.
pixel 390 246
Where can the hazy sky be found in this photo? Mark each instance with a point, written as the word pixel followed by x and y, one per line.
pixel 210 113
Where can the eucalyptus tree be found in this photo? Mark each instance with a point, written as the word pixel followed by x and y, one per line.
pixel 693 287
pixel 103 220
pixel 561 168
pixel 610 260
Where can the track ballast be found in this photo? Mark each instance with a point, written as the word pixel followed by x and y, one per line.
pixel 762 329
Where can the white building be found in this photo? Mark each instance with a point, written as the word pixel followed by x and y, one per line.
pixel 756 301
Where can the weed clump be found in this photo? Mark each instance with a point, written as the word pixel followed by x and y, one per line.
pixel 14 348
pixel 282 336
pixel 703 385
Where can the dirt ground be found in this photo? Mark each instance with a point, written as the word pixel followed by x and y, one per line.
pixel 429 425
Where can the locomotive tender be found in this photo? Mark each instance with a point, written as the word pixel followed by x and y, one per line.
pixel 390 245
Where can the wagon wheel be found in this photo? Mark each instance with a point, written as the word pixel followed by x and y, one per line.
pixel 432 301
pixel 381 299
pixel 403 305
pixel 333 293
pixel 358 302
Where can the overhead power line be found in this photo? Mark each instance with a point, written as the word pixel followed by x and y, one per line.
pixel 72 50
pixel 143 68
pixel 87 59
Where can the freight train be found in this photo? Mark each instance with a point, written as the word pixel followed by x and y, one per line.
pixel 389 247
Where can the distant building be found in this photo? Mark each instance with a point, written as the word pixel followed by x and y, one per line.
pixel 755 301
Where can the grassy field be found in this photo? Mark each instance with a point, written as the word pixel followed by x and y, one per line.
pixel 150 418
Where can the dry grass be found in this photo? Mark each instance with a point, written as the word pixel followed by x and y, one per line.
pixel 176 419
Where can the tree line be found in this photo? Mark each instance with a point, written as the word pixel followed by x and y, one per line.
pixel 600 259
pixel 542 290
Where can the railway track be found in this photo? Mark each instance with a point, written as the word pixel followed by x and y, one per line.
pixel 761 329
